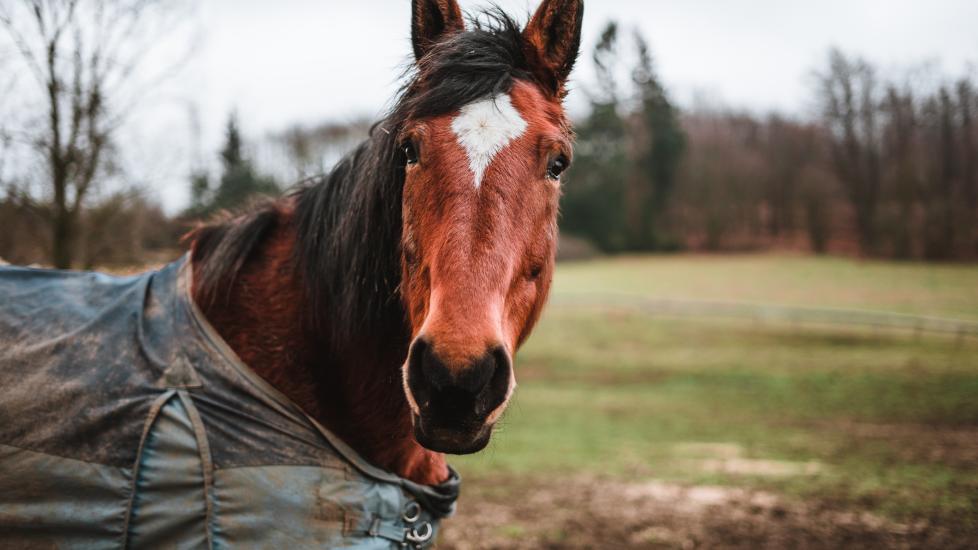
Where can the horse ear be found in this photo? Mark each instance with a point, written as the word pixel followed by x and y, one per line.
pixel 431 21
pixel 553 37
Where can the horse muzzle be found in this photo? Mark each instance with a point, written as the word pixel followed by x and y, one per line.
pixel 456 405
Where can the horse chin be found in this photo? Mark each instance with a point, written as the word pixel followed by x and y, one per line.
pixel 451 441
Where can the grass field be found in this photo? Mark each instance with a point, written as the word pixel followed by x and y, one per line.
pixel 948 290
pixel 873 435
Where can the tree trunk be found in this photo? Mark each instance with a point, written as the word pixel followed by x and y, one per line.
pixel 61 249
pixel 62 230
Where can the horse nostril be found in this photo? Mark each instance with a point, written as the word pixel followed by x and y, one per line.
pixel 432 381
pixel 432 369
pixel 424 371
pixel 495 390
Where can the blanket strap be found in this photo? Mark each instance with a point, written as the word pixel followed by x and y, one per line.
pixel 205 460
pixel 154 411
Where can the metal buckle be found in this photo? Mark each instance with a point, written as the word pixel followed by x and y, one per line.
pixel 412 512
pixel 420 534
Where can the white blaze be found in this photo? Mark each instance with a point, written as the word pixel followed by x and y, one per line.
pixel 485 128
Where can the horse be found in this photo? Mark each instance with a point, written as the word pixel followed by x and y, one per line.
pixel 376 309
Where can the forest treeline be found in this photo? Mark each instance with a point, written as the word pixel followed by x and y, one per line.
pixel 886 167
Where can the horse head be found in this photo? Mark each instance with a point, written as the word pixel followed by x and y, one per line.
pixel 479 209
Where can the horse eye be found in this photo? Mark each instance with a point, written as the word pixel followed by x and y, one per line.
pixel 410 152
pixel 557 167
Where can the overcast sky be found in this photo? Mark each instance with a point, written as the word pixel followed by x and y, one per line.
pixel 303 61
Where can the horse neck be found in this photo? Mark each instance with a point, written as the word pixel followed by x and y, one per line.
pixel 353 388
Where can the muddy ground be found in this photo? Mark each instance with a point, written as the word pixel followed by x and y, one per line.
pixel 591 513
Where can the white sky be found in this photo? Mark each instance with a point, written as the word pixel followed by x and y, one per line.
pixel 303 61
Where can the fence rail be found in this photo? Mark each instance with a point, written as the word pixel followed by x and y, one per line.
pixel 769 313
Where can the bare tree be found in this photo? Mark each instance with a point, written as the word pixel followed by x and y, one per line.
pixel 942 195
pixel 968 103
pixel 312 150
pixel 850 103
pixel 7 82
pixel 83 61
pixel 788 148
pixel 901 144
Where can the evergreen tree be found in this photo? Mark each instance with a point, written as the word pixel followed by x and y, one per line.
pixel 625 167
pixel 594 194
pixel 658 145
pixel 200 193
pixel 239 182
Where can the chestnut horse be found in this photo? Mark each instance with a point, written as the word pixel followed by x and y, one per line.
pixel 387 299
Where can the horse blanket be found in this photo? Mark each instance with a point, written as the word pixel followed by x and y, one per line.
pixel 125 421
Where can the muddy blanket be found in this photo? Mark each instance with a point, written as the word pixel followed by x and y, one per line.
pixel 125 421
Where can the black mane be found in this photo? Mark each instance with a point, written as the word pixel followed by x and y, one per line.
pixel 348 222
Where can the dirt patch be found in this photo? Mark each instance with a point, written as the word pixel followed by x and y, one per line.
pixel 954 446
pixel 592 513
pixel 728 458
pixel 756 467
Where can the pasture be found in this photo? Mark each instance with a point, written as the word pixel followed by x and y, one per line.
pixel 639 430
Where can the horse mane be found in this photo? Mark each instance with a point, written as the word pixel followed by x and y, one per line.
pixel 348 223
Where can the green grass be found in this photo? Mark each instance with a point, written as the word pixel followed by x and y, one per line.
pixel 947 290
pixel 883 421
